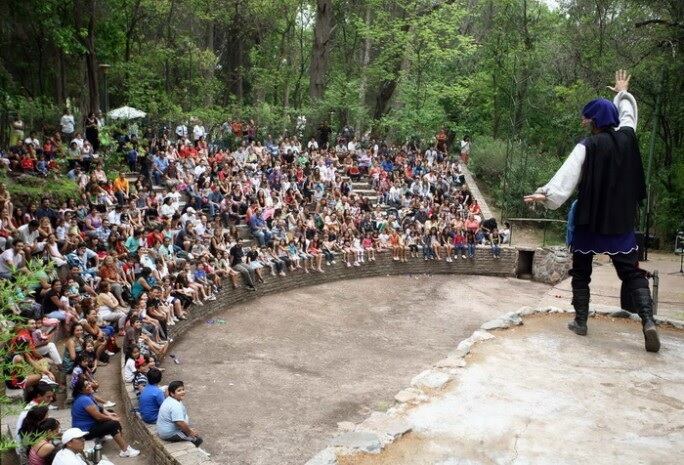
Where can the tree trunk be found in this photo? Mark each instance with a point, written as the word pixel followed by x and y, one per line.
pixel 365 60
pixel 88 43
pixel 209 72
pixel 320 54
pixel 91 63
pixel 60 79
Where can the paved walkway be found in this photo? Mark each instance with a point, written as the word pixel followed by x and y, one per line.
pixel 538 394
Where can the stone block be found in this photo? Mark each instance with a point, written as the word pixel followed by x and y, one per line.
pixel 358 441
pixel 430 379
pixel 452 361
pixel 410 395
pixel 382 423
pixel 325 457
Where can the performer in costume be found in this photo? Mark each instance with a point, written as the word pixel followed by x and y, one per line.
pixel 607 171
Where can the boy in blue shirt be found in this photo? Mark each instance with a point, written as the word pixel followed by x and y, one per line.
pixel 151 397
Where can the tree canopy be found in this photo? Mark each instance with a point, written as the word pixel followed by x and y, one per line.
pixel 513 71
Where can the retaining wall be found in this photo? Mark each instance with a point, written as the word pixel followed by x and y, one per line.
pixel 165 453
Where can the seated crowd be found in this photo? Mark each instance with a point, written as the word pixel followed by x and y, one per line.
pixel 131 256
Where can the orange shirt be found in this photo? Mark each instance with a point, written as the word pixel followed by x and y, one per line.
pixel 120 185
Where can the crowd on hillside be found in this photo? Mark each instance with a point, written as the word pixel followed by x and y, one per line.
pixel 131 255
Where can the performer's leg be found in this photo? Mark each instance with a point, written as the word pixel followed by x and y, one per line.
pixel 635 282
pixel 581 277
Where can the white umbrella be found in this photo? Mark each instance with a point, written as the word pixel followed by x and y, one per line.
pixel 126 113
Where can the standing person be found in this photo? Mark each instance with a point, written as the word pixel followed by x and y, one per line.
pixel 182 131
pixel 607 170
pixel 68 125
pixel 198 131
pixel 465 149
pixel 173 423
pixel 92 131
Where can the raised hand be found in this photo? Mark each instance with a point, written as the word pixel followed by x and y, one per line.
pixel 621 81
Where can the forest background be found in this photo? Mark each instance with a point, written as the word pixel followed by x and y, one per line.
pixel 512 74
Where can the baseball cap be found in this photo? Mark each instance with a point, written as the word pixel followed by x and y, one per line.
pixel 72 433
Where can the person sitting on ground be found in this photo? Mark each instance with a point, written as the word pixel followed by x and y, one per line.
pixel 173 423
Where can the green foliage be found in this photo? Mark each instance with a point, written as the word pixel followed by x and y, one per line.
pixel 507 69
pixel 30 188
pixel 512 170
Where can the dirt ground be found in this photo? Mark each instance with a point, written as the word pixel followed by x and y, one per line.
pixel 538 394
pixel 281 372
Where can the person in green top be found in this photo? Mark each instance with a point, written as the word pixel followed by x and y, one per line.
pixel 133 242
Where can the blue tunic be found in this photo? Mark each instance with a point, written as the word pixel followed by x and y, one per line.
pixel 587 242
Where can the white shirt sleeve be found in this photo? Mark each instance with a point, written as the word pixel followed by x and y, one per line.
pixel 627 107
pixel 564 182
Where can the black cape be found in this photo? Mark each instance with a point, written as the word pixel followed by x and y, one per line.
pixel 612 183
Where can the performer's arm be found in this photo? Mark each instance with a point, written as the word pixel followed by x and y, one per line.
pixel 627 107
pixel 564 182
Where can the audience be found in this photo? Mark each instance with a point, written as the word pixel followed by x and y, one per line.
pixel 131 254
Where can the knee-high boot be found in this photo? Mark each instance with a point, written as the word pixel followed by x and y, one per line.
pixel 644 306
pixel 580 300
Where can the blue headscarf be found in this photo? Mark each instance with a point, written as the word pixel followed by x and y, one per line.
pixel 602 112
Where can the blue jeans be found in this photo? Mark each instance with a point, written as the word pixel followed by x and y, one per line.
pixel 496 250
pixel 471 250
pixel 428 252
pixel 262 236
pixel 460 249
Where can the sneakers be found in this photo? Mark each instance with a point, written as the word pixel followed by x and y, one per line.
pixel 109 404
pixel 130 452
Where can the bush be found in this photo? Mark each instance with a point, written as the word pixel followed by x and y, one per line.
pixel 29 188
pixel 512 170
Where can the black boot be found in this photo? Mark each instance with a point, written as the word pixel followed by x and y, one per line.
pixel 644 305
pixel 580 300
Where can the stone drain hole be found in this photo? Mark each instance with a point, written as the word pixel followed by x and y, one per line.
pixel 524 266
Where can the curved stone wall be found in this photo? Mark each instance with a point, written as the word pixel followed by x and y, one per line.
pixel 185 453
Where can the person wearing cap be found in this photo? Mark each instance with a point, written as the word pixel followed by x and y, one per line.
pixel 607 171
pixel 72 453
pixel 73 440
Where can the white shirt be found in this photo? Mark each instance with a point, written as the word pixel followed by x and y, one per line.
pixel 198 131
pixel 563 184
pixel 79 143
pixel 182 131
pixel 67 123
pixel 27 236
pixel 69 457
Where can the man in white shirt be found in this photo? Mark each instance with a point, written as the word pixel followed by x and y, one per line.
pixel 198 131
pixel 67 123
pixel 74 443
pixel 182 131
